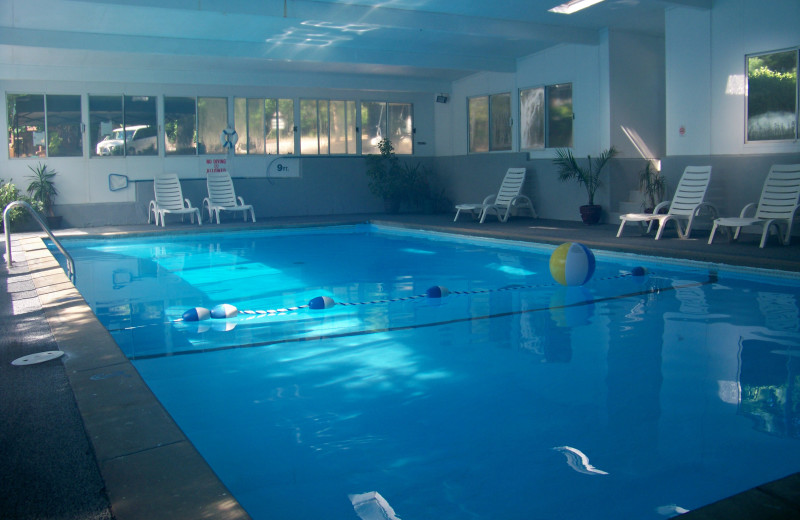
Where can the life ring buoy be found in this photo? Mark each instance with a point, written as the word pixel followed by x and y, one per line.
pixel 228 138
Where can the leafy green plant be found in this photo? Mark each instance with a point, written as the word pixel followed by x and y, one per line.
pixel 10 193
pixel 41 187
pixel 588 177
pixel 652 186
pixel 388 178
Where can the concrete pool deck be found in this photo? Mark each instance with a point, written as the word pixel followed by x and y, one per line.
pixel 83 438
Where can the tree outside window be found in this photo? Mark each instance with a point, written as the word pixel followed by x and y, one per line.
pixel 772 96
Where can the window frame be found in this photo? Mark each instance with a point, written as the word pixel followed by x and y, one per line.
pixel 491 122
pixel 747 89
pixel 546 115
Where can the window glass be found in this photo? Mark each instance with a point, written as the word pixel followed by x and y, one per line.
pixel 401 128
pixel 212 119
pixel 500 126
pixel 179 126
pixel 559 115
pixel 107 136
pixel 531 116
pixel 351 127
pixel 324 126
pixel 251 125
pixel 283 121
pixel 545 115
pixel 64 126
pixel 338 127
pixel 478 112
pixel 141 125
pixel 772 96
pixel 309 127
pixel 373 126
pixel 26 130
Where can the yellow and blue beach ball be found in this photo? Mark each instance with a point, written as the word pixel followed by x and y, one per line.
pixel 572 264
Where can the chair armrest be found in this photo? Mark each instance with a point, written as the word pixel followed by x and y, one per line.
pixel 660 206
pixel 519 197
pixel 241 200
pixel 188 203
pixel 745 209
pixel 489 198
pixel 706 205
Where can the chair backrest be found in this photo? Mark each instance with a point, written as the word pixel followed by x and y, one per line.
pixel 168 192
pixel 691 190
pixel 220 189
pixel 511 186
pixel 781 192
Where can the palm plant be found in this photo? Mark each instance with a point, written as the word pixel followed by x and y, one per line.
pixel 652 186
pixel 41 187
pixel 589 177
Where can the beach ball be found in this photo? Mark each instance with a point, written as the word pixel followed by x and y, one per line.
pixel 572 264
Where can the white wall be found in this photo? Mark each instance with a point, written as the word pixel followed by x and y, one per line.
pixel 705 72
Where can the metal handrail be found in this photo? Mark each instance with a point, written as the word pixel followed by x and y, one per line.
pixel 35 214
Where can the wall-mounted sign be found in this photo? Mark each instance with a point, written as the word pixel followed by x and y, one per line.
pixel 284 167
pixel 216 166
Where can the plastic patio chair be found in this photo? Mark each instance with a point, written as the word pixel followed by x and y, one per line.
pixel 687 203
pixel 169 199
pixel 780 201
pixel 222 197
pixel 509 196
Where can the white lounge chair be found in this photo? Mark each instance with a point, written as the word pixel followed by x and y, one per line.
pixel 780 201
pixel 688 202
pixel 507 198
pixel 169 199
pixel 222 197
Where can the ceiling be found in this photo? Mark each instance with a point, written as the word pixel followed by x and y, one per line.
pixel 435 41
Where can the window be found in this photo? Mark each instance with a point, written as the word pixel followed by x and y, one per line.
pixel 327 126
pixel 212 119
pixel 180 122
pixel 343 127
pixel 123 125
pixel 265 126
pixel 26 129
pixel 380 119
pixel 772 96
pixel 489 123
pixel 546 117
pixel 64 138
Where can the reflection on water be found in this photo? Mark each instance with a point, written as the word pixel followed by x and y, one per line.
pixel 450 408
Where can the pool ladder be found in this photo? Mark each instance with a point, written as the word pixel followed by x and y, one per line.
pixel 38 218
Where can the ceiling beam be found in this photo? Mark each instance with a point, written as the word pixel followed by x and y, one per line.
pixel 700 4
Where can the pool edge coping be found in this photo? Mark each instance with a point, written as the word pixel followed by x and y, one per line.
pixel 130 432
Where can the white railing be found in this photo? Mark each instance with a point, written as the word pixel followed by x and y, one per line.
pixel 35 214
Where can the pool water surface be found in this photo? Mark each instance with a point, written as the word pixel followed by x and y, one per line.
pixel 513 397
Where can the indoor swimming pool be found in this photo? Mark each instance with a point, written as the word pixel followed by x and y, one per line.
pixel 513 397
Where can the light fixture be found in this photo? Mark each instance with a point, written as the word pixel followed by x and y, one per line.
pixel 574 6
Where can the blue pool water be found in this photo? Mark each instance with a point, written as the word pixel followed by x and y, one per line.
pixel 511 398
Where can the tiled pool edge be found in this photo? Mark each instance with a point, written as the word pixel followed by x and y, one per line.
pixel 150 468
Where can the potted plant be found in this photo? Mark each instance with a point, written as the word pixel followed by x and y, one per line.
pixel 8 194
pixel 589 177
pixel 387 177
pixel 42 189
pixel 652 186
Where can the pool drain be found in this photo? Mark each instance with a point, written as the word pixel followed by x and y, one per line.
pixel 39 357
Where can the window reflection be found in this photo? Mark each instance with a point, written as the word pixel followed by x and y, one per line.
pixel 26 125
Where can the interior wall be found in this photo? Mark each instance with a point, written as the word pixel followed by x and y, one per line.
pixel 705 72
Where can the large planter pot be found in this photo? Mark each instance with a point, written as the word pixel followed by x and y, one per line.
pixel 590 214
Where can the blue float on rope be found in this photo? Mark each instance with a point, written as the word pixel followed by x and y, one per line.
pixel 321 302
pixel 437 291
pixel 196 314
pixel 639 271
pixel 224 310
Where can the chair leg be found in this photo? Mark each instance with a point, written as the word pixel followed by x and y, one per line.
pixel 621 225
pixel 713 231
pixel 662 223
pixel 458 212
pixel 253 214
